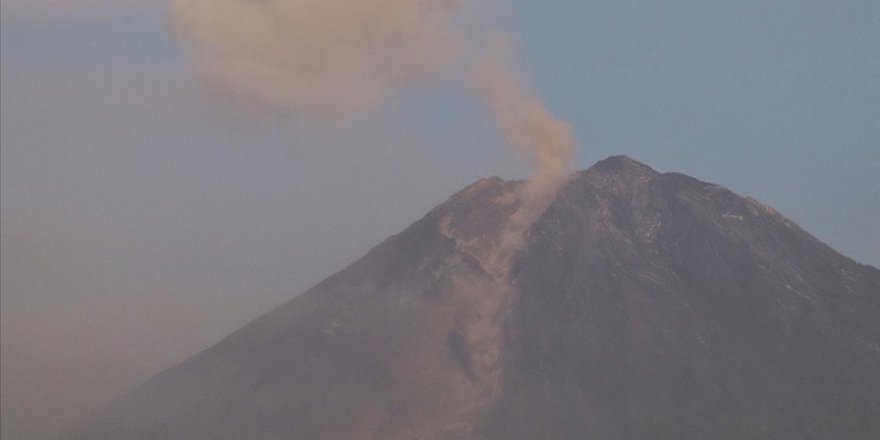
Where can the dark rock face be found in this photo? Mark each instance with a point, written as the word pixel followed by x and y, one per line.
pixel 642 306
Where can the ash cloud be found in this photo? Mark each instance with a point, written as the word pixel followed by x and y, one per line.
pixel 532 130
pixel 331 58
pixel 328 58
pixel 317 57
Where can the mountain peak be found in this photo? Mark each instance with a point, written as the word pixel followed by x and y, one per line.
pixel 616 174
pixel 621 165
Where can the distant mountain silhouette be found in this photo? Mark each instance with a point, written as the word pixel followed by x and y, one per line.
pixel 641 306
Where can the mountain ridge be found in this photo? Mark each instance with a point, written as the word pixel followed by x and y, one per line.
pixel 640 305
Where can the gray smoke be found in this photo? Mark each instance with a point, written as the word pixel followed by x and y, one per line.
pixel 533 131
pixel 325 58
pixel 317 57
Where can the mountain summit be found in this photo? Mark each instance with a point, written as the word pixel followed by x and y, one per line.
pixel 640 305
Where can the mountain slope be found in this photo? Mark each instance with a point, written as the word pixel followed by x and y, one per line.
pixel 642 305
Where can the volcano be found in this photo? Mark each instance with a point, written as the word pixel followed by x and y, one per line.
pixel 641 305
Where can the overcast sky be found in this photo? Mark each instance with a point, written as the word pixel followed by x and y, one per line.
pixel 144 218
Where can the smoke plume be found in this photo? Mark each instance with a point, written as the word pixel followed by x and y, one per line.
pixel 331 57
pixel 532 130
pixel 317 57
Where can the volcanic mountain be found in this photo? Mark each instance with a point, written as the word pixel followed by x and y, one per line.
pixel 640 305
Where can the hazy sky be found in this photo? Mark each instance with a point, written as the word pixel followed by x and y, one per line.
pixel 144 217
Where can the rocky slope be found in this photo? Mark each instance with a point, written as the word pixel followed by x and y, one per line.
pixel 641 306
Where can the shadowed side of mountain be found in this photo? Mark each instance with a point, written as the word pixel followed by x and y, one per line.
pixel 658 306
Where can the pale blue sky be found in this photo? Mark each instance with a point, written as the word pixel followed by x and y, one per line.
pixel 143 219
pixel 779 100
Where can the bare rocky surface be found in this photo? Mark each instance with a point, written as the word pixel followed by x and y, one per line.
pixel 641 306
